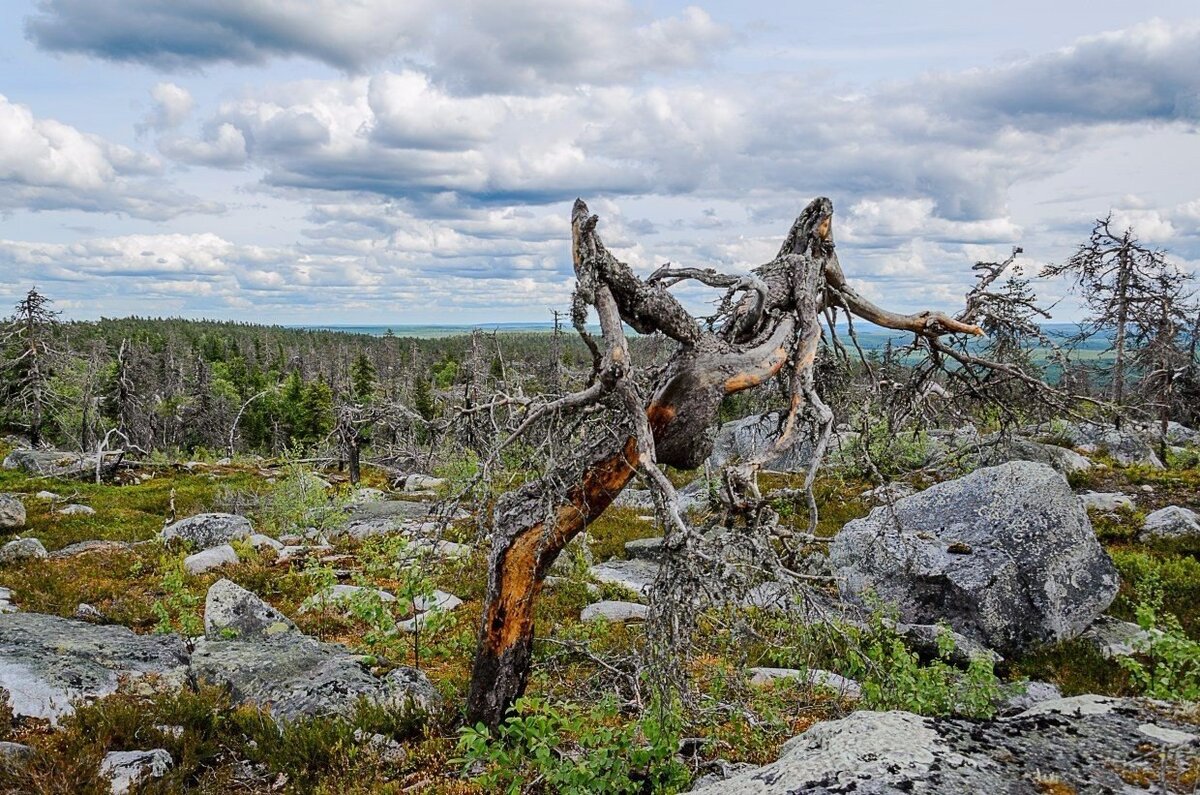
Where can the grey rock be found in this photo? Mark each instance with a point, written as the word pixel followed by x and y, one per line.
pixel 47 662
pixel 1027 695
pixel 340 596
pixel 127 769
pixel 293 676
pixel 48 496
pixel 84 547
pixel 1113 637
pixel 207 530
pixel 645 548
pixel 209 559
pixel 383 518
pixel 814 677
pixel 1063 459
pixel 635 575
pixel 1126 446
pixel 574 555
pixel 751 436
pixel 22 549
pixel 86 612
pixel 260 541
pixel 438 600
pixel 75 509
pixel 14 753
pixel 365 494
pixel 1181 435
pixel 1081 742
pixel 49 463
pixel 414 483
pixel 232 611
pixel 12 512
pixel 1171 522
pixel 889 492
pixel 1005 555
pixel 922 639
pixel 615 612
pixel 1106 501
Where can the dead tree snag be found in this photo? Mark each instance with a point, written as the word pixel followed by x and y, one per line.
pixel 768 324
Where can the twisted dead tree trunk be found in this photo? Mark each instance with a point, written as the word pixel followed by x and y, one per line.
pixel 767 322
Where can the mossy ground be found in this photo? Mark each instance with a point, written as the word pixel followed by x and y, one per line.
pixel 574 663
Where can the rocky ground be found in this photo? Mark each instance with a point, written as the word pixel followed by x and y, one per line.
pixel 231 626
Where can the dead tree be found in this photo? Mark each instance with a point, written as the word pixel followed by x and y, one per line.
pixel 767 324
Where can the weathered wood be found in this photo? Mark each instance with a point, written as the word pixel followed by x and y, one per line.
pixel 773 325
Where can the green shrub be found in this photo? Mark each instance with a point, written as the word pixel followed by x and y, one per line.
pixel 1166 663
pixel 569 751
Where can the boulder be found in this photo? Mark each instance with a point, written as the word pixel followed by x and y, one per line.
pixel 634 575
pixel 22 549
pixel 12 512
pixel 125 770
pixel 74 509
pixel 1063 459
pixel 923 640
pixel 814 677
pixel 751 436
pixel 207 530
pixel 47 662
pixel 1086 744
pixel 1027 695
pixel 293 676
pixel 49 463
pixel 1005 555
pixel 1126 446
pixel 230 611
pixel 438 600
pixel 615 612
pixel 1113 637
pixel 13 753
pixel 382 518
pixel 645 548
pixel 260 541
pixel 414 483
pixel 209 559
pixel 1106 501
pixel 1171 522
pixel 1179 435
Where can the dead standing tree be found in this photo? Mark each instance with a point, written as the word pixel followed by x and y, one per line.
pixel 768 324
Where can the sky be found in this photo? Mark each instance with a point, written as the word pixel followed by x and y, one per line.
pixel 381 162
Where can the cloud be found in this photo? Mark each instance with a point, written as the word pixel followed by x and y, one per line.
pixel 172 106
pixel 48 165
pixel 474 45
pixel 224 148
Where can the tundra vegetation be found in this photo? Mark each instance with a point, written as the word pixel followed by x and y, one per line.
pixel 600 561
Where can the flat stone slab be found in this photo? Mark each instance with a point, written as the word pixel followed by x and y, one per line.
pixel 814 677
pixel 1085 743
pixel 614 611
pixel 294 676
pixel 210 559
pixel 635 575
pixel 1106 501
pixel 47 662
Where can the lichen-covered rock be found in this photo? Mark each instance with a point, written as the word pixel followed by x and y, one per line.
pixel 1089 744
pixel 22 549
pixel 75 509
pixel 127 769
pixel 635 575
pixel 1028 695
pixel 207 530
pixel 814 677
pixel 416 482
pixel 12 512
pixel 293 676
pixel 49 463
pixel 1063 459
pixel 1171 522
pixel 340 596
pixel 1106 501
pixel 1005 555
pixel 751 436
pixel 616 612
pixel 47 662
pixel 209 559
pixel 230 611
pixel 1126 446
